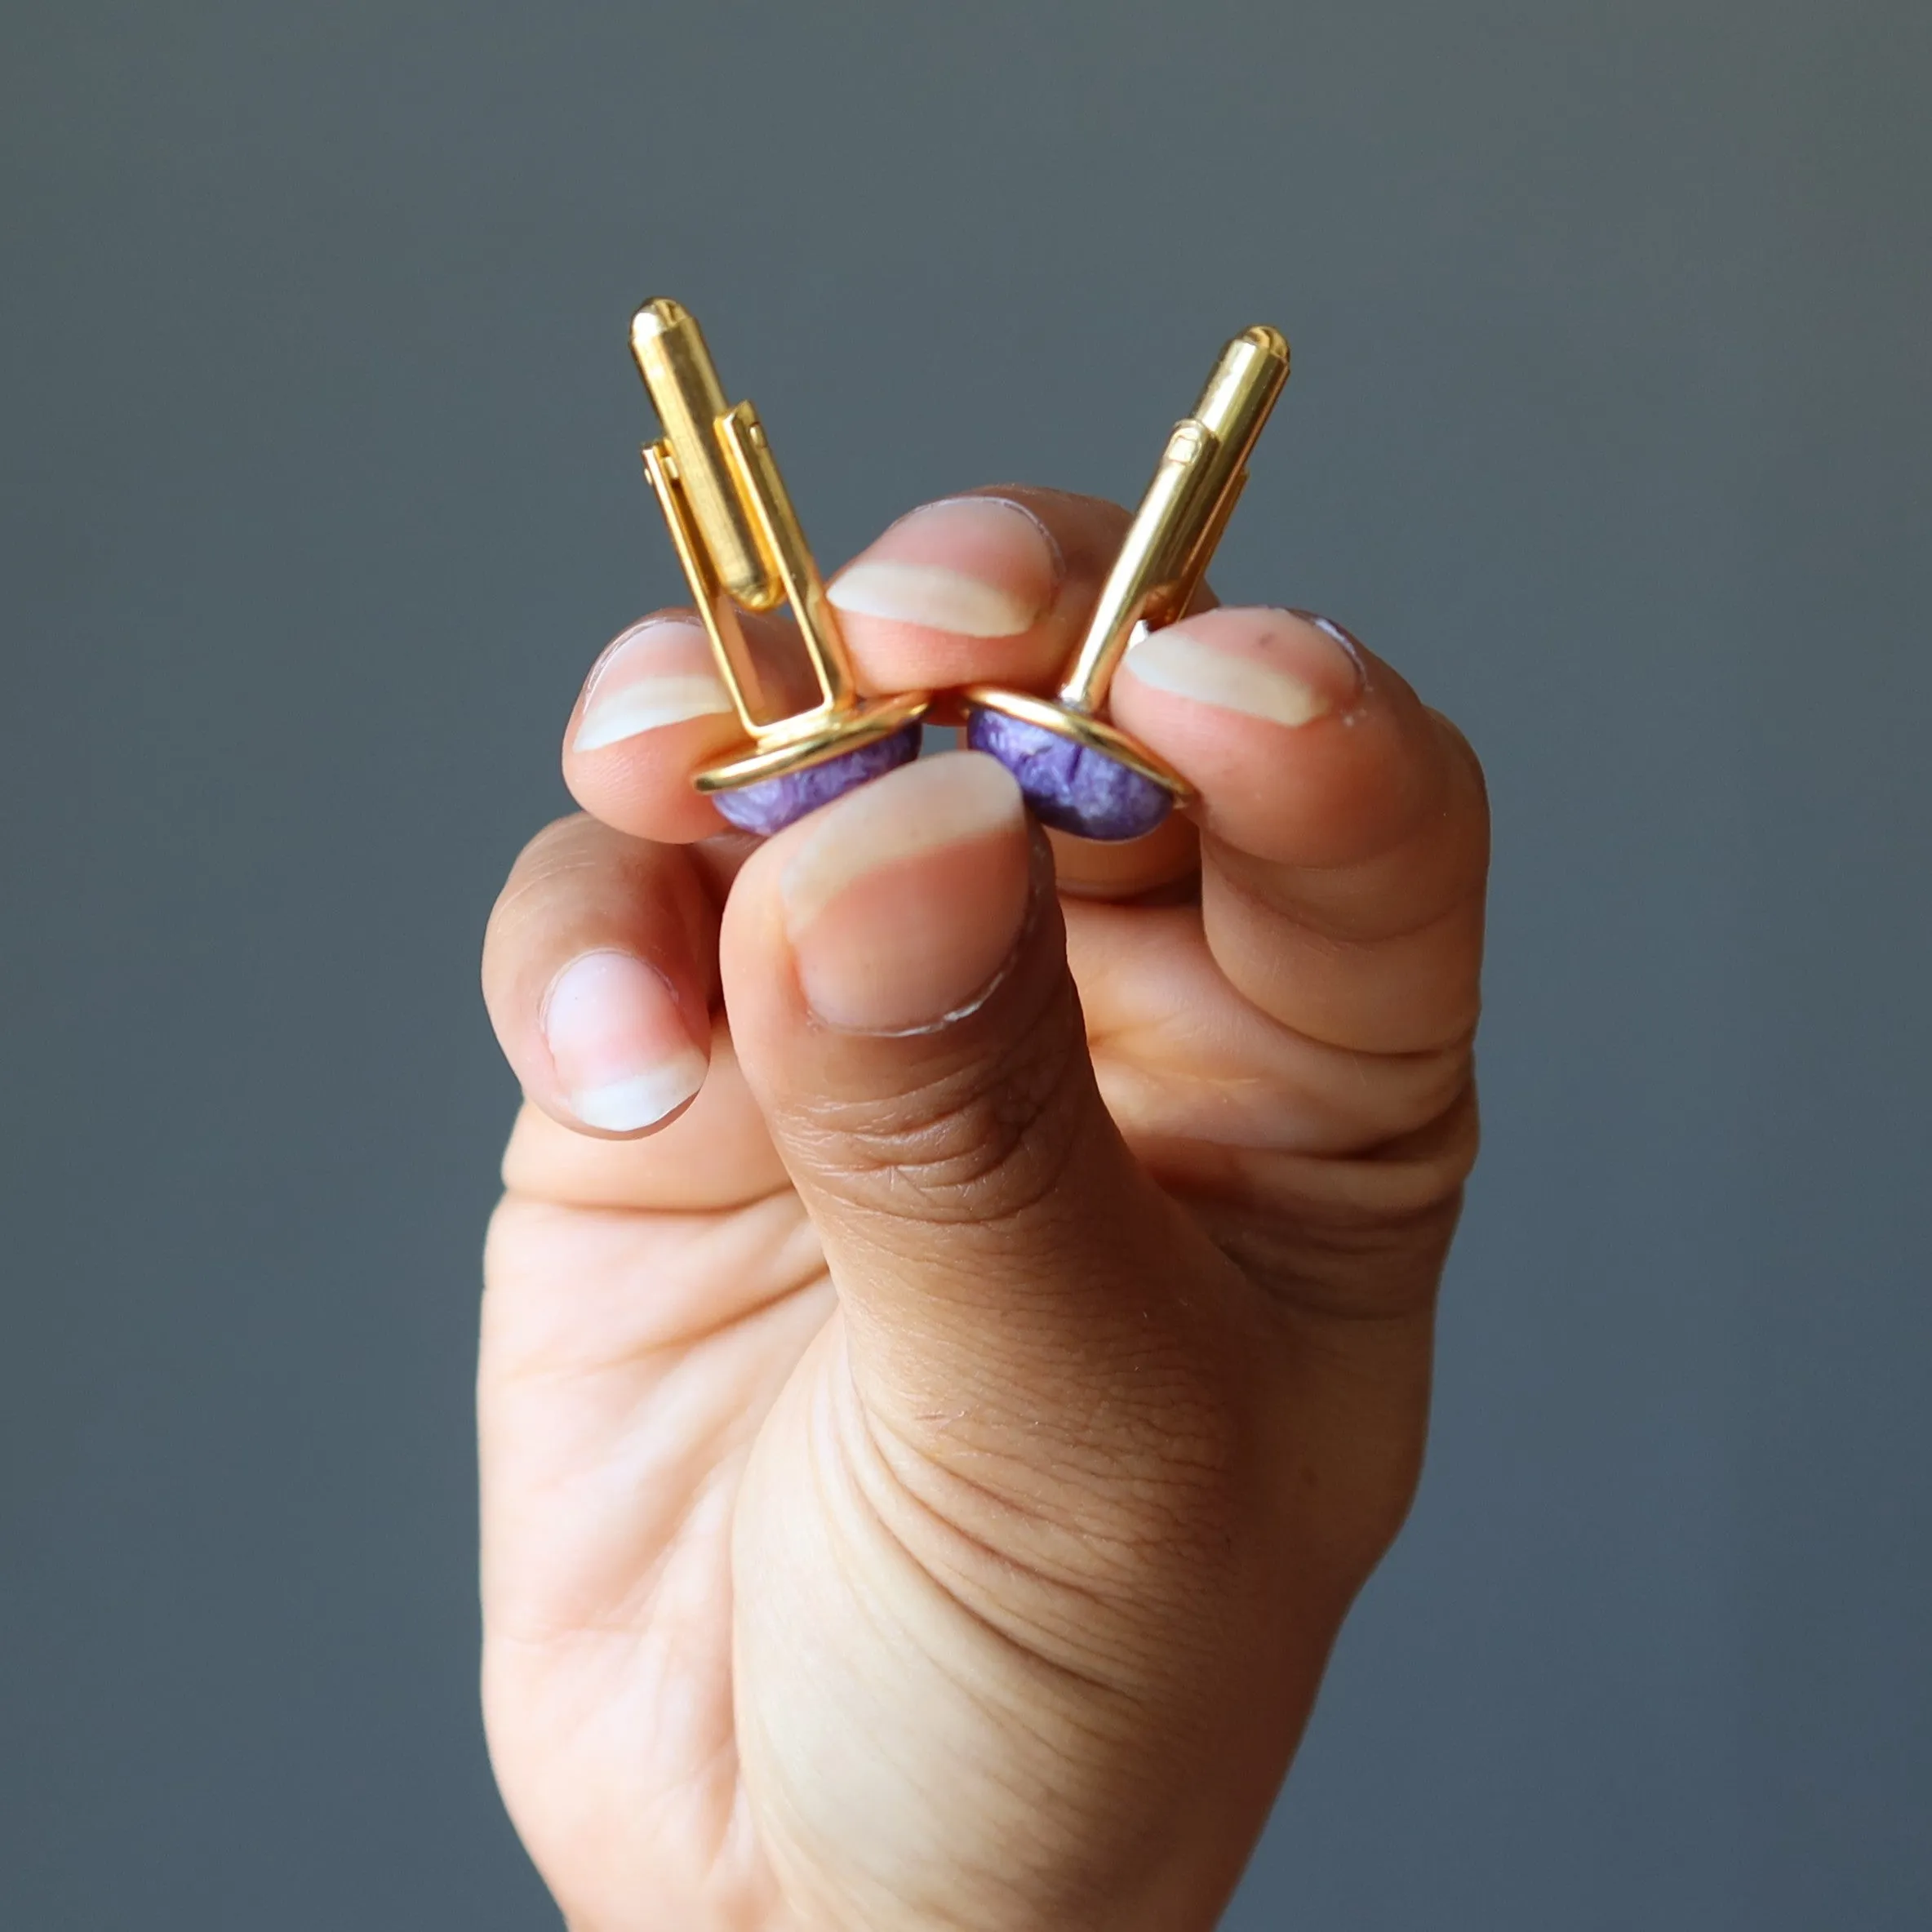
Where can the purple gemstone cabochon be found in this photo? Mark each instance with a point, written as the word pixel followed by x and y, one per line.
pixel 1069 787
pixel 773 803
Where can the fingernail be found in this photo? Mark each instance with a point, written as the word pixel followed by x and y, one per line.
pixel 1279 665
pixel 622 1055
pixel 905 897
pixel 980 567
pixel 659 674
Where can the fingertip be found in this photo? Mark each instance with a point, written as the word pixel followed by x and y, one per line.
pixel 1280 668
pixel 598 968
pixel 967 566
pixel 1302 748
pixel 895 907
pixel 985 587
pixel 653 710
pixel 622 1060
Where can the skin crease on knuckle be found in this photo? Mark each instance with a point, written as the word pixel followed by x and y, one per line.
pixel 1364 1239
pixel 1111 1579
pixel 575 844
pixel 974 1144
pixel 978 1139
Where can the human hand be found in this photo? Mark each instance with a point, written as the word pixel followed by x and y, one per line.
pixel 923 1475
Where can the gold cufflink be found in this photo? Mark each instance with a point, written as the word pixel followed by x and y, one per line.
pixel 1078 772
pixel 737 536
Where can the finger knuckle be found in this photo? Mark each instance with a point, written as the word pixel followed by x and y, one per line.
pixel 979 1137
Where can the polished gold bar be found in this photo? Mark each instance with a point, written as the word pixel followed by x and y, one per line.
pixel 742 551
pixel 715 608
pixel 671 355
pixel 763 491
pixel 1195 485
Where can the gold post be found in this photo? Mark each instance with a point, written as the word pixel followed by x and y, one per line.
pixel 1195 487
pixel 682 379
pixel 1165 553
pixel 738 540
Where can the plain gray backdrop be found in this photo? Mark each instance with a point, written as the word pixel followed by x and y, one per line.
pixel 1609 426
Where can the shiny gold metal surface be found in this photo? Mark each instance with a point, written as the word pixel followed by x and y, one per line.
pixel 1181 518
pixel 739 543
pixel 1165 552
pixel 775 756
pixel 671 355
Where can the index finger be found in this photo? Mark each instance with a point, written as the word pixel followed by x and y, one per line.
pixel 1344 827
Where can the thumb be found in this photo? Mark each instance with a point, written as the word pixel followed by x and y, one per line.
pixel 895 970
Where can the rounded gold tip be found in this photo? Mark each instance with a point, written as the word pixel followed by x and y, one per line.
pixel 1269 340
pixel 659 317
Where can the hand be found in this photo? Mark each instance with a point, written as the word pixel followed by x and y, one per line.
pixel 953 1349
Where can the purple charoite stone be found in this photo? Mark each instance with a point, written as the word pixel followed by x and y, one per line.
pixel 1069 787
pixel 773 803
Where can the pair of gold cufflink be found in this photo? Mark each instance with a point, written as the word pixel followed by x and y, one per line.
pixel 738 538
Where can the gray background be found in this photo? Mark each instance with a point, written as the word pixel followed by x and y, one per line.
pixel 1609 424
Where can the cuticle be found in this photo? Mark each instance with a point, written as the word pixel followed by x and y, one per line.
pixel 1356 650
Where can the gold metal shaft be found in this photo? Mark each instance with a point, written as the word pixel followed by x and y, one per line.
pixel 738 540
pixel 1195 487
pixel 671 355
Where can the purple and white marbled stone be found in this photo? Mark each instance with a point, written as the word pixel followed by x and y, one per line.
pixel 773 803
pixel 1069 787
